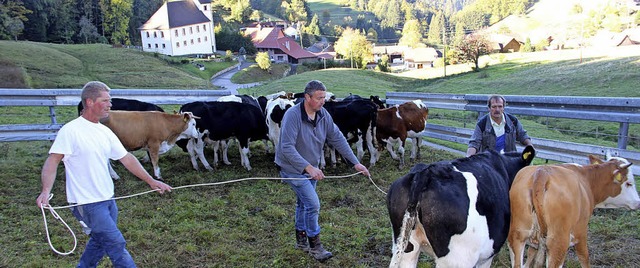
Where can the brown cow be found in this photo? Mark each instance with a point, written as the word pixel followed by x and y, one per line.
pixel 396 124
pixel 551 206
pixel 155 132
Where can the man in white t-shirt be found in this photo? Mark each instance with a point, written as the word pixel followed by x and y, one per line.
pixel 85 146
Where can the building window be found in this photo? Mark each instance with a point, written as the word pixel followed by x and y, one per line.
pixel 147 34
pixel 185 43
pixel 205 39
pixel 164 46
pixel 176 31
pixel 204 27
pixel 149 45
pixel 205 8
pixel 199 40
pixel 198 28
pixel 155 35
pixel 177 44
pixel 162 34
pixel 184 31
pixel 190 30
pixel 156 45
pixel 192 41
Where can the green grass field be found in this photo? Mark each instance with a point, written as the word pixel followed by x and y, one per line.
pixel 250 223
pixel 71 66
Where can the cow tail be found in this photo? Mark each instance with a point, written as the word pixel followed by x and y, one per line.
pixel 410 218
pixel 539 187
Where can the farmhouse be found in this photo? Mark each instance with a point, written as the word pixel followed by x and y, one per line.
pixel 280 47
pixel 419 58
pixel 503 43
pixel 180 28
pixel 393 52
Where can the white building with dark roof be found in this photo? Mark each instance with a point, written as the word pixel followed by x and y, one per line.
pixel 180 28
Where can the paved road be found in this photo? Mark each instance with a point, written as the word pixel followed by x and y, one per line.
pixel 224 80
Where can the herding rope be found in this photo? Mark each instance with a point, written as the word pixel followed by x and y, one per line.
pixel 75 240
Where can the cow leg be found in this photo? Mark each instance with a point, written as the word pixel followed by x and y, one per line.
pixel 112 172
pixel 401 153
pixel 153 153
pixel 372 149
pixel 243 148
pixel 415 149
pixel 390 144
pixel 334 161
pixel 225 149
pixel 581 249
pixel 198 148
pixel 359 148
pixel 557 246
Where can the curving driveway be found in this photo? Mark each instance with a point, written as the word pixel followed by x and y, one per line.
pixel 224 81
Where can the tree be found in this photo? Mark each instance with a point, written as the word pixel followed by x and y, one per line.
pixel 88 31
pixel 411 34
pixel 262 58
pixel 434 36
pixel 470 50
pixel 13 14
pixel 353 45
pixel 372 35
pixel 116 19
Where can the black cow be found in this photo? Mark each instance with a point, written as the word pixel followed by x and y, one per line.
pixel 220 121
pixel 356 119
pixel 456 211
pixel 120 104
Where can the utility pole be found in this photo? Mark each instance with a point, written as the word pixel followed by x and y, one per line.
pixel 444 41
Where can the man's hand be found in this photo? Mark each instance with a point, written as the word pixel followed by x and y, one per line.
pixel 314 173
pixel 161 187
pixel 363 169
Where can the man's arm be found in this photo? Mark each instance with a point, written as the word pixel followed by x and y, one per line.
pixel 48 177
pixel 133 165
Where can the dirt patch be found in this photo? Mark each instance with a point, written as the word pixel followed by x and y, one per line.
pixel 12 76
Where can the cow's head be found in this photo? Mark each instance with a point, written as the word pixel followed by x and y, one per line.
pixel 190 131
pixel 623 193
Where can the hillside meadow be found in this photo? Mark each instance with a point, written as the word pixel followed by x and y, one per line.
pixel 249 223
pixel 43 65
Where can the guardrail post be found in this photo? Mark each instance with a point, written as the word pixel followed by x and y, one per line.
pixel 52 113
pixel 623 134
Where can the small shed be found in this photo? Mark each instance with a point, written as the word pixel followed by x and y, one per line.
pixel 420 58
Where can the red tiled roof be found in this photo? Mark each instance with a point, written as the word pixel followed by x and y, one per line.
pixel 274 38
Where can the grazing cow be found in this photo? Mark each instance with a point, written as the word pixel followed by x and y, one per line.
pixel 220 121
pixel 275 112
pixel 356 119
pixel 128 105
pixel 396 124
pixel 155 132
pixel 455 211
pixel 551 206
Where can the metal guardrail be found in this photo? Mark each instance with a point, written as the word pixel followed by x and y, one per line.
pixel 71 97
pixel 622 110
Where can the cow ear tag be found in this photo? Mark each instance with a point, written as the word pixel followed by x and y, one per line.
pixel 618 176
pixel 526 155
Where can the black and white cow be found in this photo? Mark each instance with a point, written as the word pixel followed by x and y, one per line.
pixel 223 145
pixel 221 121
pixel 120 104
pixel 275 112
pixel 456 211
pixel 356 119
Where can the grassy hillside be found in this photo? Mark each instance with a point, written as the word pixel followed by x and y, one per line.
pixel 43 65
pixel 592 72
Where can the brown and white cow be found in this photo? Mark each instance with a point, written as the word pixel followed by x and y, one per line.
pixel 551 206
pixel 155 132
pixel 396 124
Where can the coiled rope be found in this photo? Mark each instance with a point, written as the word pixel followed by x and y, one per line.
pixel 75 240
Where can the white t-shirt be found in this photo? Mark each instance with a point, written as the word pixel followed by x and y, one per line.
pixel 87 148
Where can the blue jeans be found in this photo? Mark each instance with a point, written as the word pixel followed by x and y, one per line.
pixel 307 203
pixel 101 219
